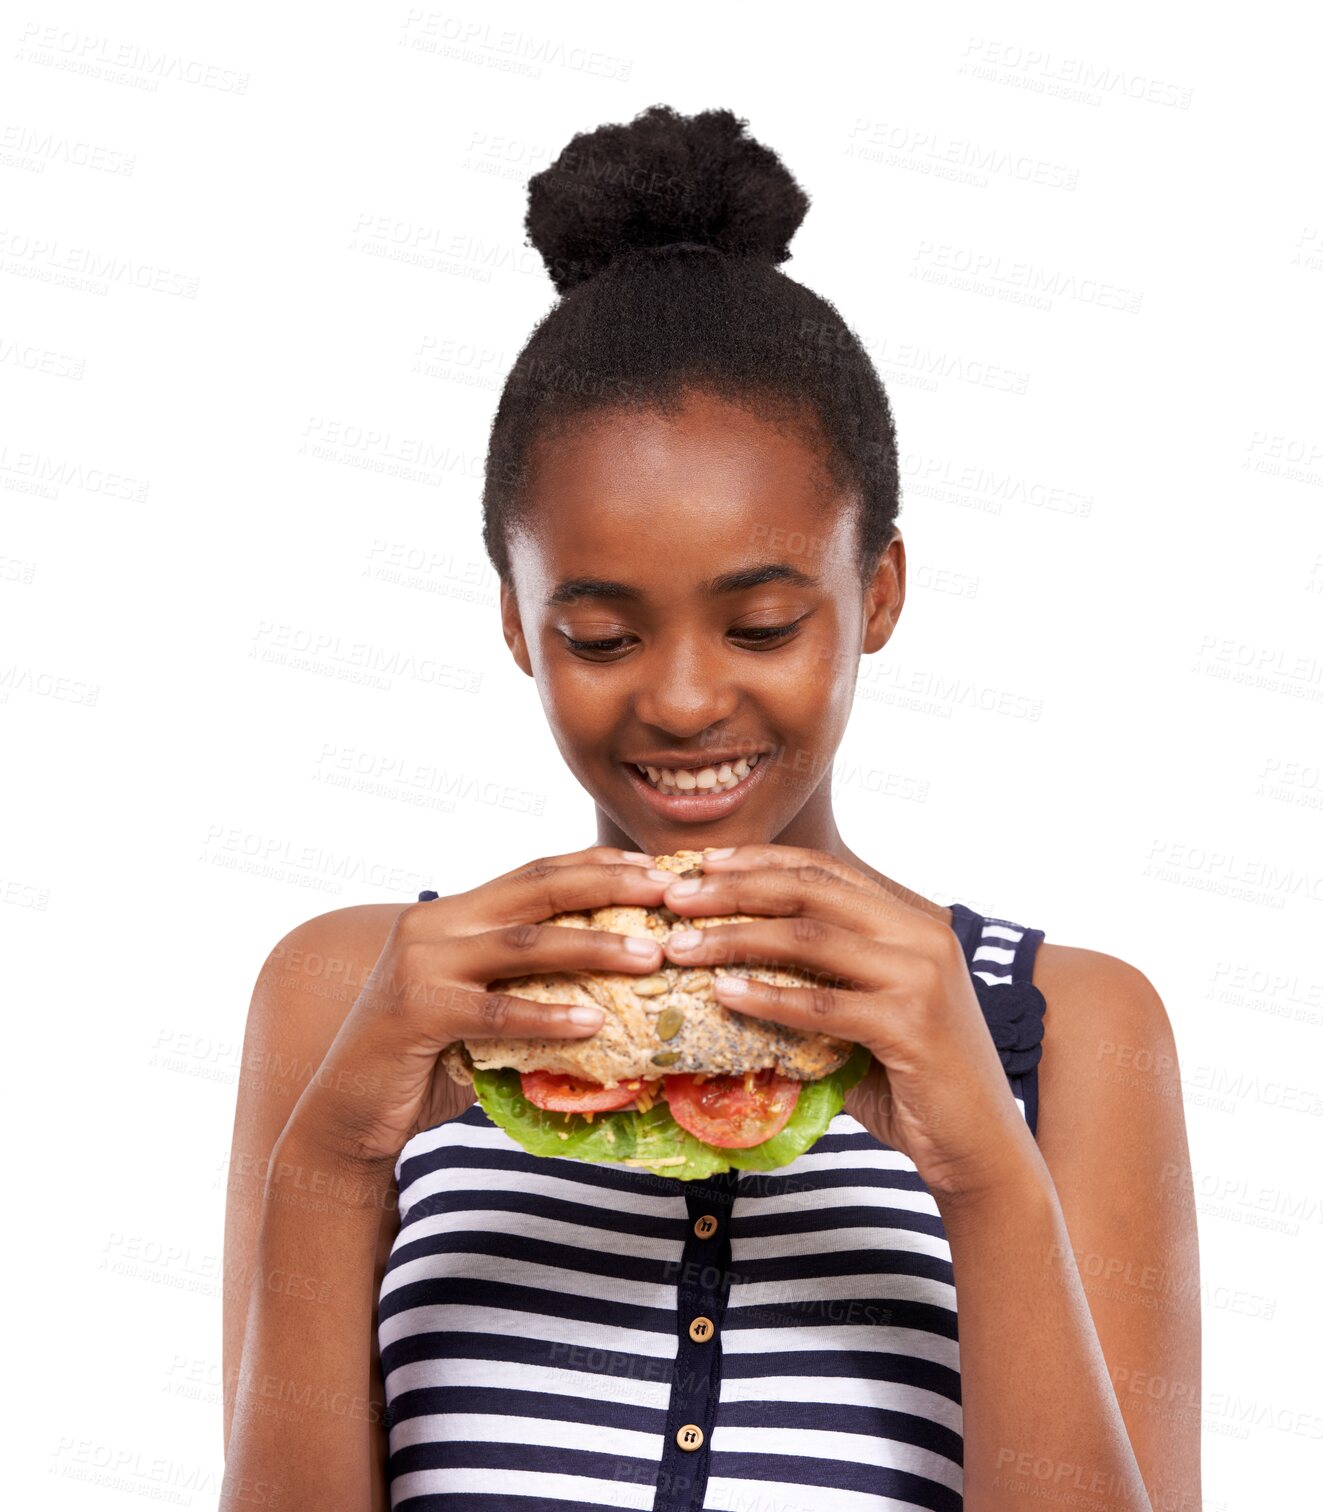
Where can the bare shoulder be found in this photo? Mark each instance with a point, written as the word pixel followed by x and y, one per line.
pixel 1103 1015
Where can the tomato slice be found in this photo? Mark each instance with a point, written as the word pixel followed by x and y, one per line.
pixel 571 1094
pixel 733 1112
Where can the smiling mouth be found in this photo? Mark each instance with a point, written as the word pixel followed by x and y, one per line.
pixel 698 781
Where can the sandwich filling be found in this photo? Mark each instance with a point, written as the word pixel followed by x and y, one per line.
pixel 648 1132
pixel 732 1112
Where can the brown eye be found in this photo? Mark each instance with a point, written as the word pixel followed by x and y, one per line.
pixel 761 635
pixel 772 633
pixel 594 645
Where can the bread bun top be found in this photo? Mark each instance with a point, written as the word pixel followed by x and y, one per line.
pixel 662 1024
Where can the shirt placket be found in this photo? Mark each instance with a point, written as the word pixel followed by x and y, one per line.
pixel 702 1286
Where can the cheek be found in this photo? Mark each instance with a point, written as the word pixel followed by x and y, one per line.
pixel 579 706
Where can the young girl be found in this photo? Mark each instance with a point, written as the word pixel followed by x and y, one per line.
pixel 691 500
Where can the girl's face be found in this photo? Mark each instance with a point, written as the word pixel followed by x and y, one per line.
pixel 639 523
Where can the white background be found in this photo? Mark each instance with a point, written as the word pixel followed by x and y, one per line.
pixel 229 234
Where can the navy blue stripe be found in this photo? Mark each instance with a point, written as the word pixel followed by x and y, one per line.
pixel 872 1262
pixel 544 1459
pixel 828 1179
pixel 550 1406
pixel 596 1363
pixel 532 1204
pixel 600 1175
pixel 847 1364
pixel 869 1311
pixel 500 1501
pixel 465 1291
pixel 645 1268
pixel 772 1225
pixel 829 1417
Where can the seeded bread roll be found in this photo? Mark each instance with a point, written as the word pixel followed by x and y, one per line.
pixel 656 1025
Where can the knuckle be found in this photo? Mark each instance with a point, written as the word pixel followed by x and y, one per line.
pixel 821 1001
pixel 815 874
pixel 927 973
pixel 520 936
pixel 808 931
pixel 536 871
pixel 494 1011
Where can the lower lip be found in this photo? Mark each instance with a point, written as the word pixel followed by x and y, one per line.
pixel 693 807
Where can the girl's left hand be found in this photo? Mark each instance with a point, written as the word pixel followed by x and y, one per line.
pixel 894 979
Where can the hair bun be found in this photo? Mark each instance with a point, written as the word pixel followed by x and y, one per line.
pixel 660 179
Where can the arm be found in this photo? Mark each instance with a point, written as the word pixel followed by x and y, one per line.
pixel 1074 1386
pixel 306 1243
pixel 306 986
pixel 307 1422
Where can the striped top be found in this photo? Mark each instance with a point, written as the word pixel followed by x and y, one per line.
pixel 560 1334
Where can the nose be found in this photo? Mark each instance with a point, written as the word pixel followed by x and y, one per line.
pixel 683 692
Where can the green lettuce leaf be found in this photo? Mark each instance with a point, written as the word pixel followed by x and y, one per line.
pixel 653 1140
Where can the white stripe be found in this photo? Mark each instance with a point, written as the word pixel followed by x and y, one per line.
pixel 1001 954
pixel 881 1289
pixel 1003 931
pixel 574 1490
pixel 602 1373
pixel 914 1342
pixel 845 1391
pixel 991 978
pixel 846 1160
pixel 552 1279
pixel 447 1317
pixel 837 1241
pixel 854 1448
pixel 824 1201
pixel 542 1184
pixel 727 1495
pixel 535 1226
pixel 493 1428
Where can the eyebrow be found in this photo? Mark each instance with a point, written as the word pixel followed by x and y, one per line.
pixel 739 581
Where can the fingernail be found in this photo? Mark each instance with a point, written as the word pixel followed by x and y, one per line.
pixel 685 939
pixel 729 986
pixel 589 1017
pixel 685 888
pixel 637 945
pixel 637 856
pixel 659 875
pixel 716 855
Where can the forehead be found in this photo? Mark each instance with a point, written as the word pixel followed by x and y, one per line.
pixel 668 502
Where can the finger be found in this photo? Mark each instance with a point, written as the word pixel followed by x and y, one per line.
pixel 502 1015
pixel 810 946
pixel 546 887
pixel 871 898
pixel 605 855
pixel 453 1012
pixel 769 854
pixel 537 949
pixel 784 891
pixel 813 867
pixel 819 1010
pixel 609 853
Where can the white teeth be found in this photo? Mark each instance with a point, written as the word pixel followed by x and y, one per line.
pixel 708 779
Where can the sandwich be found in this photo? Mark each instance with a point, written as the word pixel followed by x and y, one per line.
pixel 673 1082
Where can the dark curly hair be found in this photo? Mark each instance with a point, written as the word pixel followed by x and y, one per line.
pixel 662 236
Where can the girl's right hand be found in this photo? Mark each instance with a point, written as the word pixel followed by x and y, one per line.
pixel 381 1081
